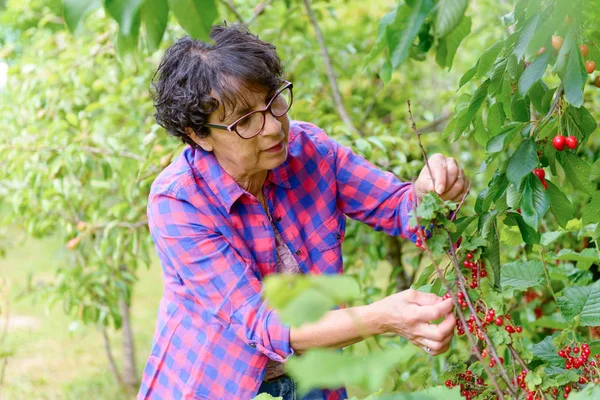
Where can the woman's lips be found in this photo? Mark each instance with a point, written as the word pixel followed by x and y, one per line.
pixel 275 149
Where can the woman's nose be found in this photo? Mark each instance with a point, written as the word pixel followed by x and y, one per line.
pixel 272 125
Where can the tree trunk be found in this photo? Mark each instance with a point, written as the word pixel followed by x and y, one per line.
pixel 130 376
pixel 111 360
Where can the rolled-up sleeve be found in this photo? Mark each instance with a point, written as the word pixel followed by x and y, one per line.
pixel 368 194
pixel 220 280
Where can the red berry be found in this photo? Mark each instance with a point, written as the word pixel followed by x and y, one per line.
pixel 539 172
pixel 519 329
pixel 484 272
pixel 449 383
pixel 469 256
pixel 510 329
pixel 571 142
pixel 557 42
pixel 590 66
pixel 559 142
pixel 499 321
pixel 584 50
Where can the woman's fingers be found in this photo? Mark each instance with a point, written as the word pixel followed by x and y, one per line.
pixel 432 312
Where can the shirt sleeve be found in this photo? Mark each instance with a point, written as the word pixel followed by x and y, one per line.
pixel 220 280
pixel 368 194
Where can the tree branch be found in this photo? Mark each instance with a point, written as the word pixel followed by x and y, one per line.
pixel 258 10
pixel 229 4
pixel 337 98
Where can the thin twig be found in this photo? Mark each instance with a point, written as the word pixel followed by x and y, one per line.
pixel 337 98
pixel 414 128
pixel 258 11
pixel 517 356
pixel 229 4
pixel 547 276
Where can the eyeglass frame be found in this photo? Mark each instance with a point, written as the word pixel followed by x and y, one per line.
pixel 231 127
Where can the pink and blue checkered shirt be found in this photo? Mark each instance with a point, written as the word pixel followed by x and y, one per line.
pixel 214 335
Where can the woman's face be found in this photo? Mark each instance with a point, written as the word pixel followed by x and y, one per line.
pixel 243 158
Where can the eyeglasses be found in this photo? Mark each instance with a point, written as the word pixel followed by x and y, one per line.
pixel 253 123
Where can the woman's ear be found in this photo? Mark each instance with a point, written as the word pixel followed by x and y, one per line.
pixel 202 142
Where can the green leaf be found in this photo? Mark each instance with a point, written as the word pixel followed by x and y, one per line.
pixel 475 104
pixel 127 43
pixel 124 12
pixel 582 302
pixel 497 76
pixel 303 298
pixel 499 142
pixel 487 225
pixel 584 259
pixel 523 160
pixel 595 171
pixel 401 34
pixel 155 15
pixel 535 202
pixel 324 368
pixel 550 237
pixel 488 57
pixel 547 352
pixel 591 211
pixel 574 74
pixel 560 205
pixel 529 235
pixel 525 36
pixel 467 76
pixel 447 46
pixel 448 16
pixel 495 189
pixel 432 393
pixel 76 10
pixel 522 275
pixel 533 73
pixel 579 122
pixel 195 16
pixel 577 170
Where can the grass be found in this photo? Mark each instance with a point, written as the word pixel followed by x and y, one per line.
pixel 49 361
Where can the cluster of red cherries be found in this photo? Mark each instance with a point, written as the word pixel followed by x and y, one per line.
pixel 477 270
pixel 559 142
pixel 470 385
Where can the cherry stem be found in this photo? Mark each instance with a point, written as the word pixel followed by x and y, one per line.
pixel 414 128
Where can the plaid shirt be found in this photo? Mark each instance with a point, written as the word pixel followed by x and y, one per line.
pixel 214 335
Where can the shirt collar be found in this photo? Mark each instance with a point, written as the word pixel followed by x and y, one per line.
pixel 218 180
pixel 223 185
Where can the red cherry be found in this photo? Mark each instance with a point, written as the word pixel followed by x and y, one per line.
pixel 571 142
pixel 559 142
pixel 584 50
pixel 540 174
pixel 557 42
pixel 590 66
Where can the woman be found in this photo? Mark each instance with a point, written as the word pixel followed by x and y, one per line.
pixel 254 194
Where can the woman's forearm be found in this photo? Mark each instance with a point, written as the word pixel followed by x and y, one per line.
pixel 337 329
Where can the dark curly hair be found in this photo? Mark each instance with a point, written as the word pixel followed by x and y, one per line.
pixel 194 76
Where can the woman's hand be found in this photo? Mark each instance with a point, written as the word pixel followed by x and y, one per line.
pixel 409 314
pixel 450 180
